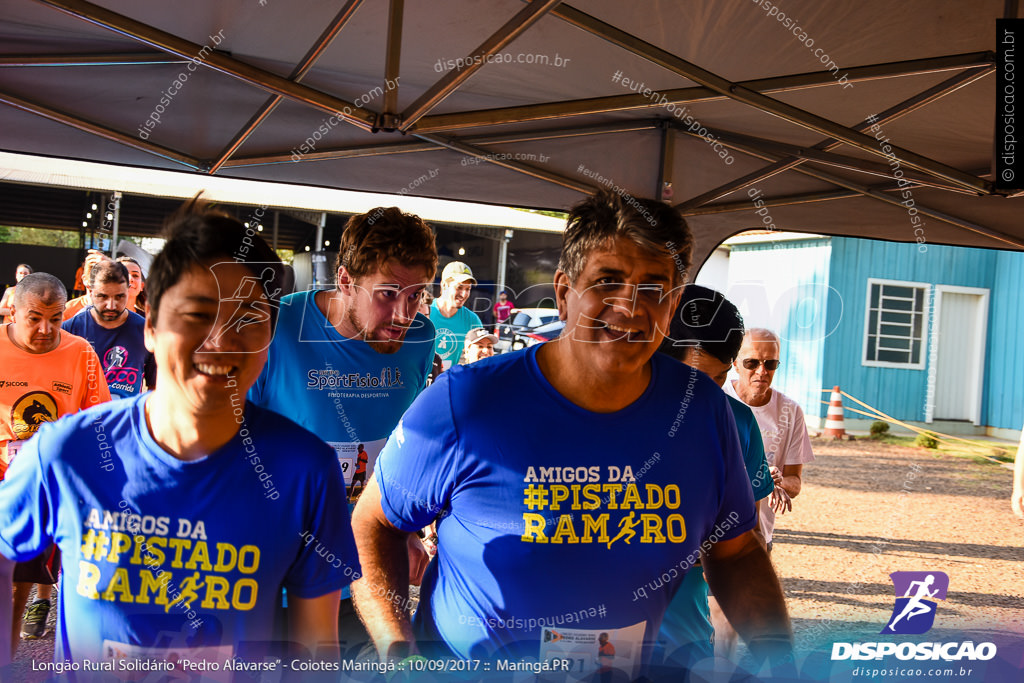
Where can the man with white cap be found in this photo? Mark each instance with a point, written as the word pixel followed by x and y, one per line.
pixel 451 320
pixel 479 344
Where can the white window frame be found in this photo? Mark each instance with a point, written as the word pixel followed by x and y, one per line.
pixel 925 332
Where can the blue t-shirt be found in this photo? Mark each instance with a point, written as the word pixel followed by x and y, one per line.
pixel 341 389
pixel 451 333
pixel 555 532
pixel 122 350
pixel 159 554
pixel 687 623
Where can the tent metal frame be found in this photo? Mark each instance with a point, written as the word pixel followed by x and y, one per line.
pixel 452 131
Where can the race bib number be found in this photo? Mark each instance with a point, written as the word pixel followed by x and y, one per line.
pixel 135 663
pixel 594 651
pixel 357 461
pixel 13 448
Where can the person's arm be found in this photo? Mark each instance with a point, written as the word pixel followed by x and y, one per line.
pixel 313 623
pixel 5 302
pixel 384 556
pixel 1017 498
pixel 791 480
pixel 742 579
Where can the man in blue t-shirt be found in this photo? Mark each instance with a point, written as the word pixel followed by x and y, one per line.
pixel 116 333
pixel 541 551
pixel 346 363
pixel 451 319
pixel 183 513
pixel 706 333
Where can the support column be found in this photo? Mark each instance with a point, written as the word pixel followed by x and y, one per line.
pixel 319 243
pixel 503 261
pixel 116 222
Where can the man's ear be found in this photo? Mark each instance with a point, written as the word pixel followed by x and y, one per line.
pixel 562 288
pixel 345 282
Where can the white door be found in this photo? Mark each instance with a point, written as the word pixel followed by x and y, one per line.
pixel 959 369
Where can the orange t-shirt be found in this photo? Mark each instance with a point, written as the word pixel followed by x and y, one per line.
pixel 76 306
pixel 41 387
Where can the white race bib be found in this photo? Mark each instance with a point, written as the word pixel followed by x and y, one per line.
pixel 592 651
pixel 13 448
pixel 357 465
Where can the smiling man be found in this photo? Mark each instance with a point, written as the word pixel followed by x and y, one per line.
pixel 542 553
pixel 449 314
pixel 346 363
pixel 169 508
pixel 116 333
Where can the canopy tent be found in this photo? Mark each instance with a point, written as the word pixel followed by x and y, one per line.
pixel 534 104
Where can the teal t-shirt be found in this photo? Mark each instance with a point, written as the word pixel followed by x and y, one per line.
pixel 686 629
pixel 451 333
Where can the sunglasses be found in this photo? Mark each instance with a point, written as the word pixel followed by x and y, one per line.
pixel 753 363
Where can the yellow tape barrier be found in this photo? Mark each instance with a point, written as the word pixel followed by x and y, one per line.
pixel 938 436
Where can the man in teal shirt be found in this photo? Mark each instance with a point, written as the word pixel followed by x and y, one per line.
pixel 706 333
pixel 448 313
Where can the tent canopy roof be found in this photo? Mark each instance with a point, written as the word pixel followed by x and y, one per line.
pixel 534 104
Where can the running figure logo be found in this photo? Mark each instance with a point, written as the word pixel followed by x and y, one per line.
pixel 914 612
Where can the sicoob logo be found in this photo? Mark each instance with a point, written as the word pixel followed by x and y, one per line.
pixel 915 607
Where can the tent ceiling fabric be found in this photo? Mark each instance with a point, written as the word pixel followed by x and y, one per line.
pixel 299 94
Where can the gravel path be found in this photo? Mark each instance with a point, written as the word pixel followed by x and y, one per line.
pixel 868 509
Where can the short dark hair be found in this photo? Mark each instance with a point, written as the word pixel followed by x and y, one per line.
pixel 373 238
pixel 197 234
pixel 654 226
pixel 108 272
pixel 706 320
pixel 24 265
pixel 47 287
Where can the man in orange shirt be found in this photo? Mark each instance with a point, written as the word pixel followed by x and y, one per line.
pixel 47 374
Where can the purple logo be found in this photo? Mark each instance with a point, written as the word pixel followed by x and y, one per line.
pixel 916 592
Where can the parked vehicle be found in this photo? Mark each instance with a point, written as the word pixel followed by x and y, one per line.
pixel 537 335
pixel 521 321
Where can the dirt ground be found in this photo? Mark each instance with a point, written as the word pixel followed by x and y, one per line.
pixel 868 509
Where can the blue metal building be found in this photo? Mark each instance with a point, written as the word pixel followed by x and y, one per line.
pixel 925 333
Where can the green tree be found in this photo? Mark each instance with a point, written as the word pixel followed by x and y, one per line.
pixel 39 236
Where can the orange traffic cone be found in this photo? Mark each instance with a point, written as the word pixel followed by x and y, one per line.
pixel 834 417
